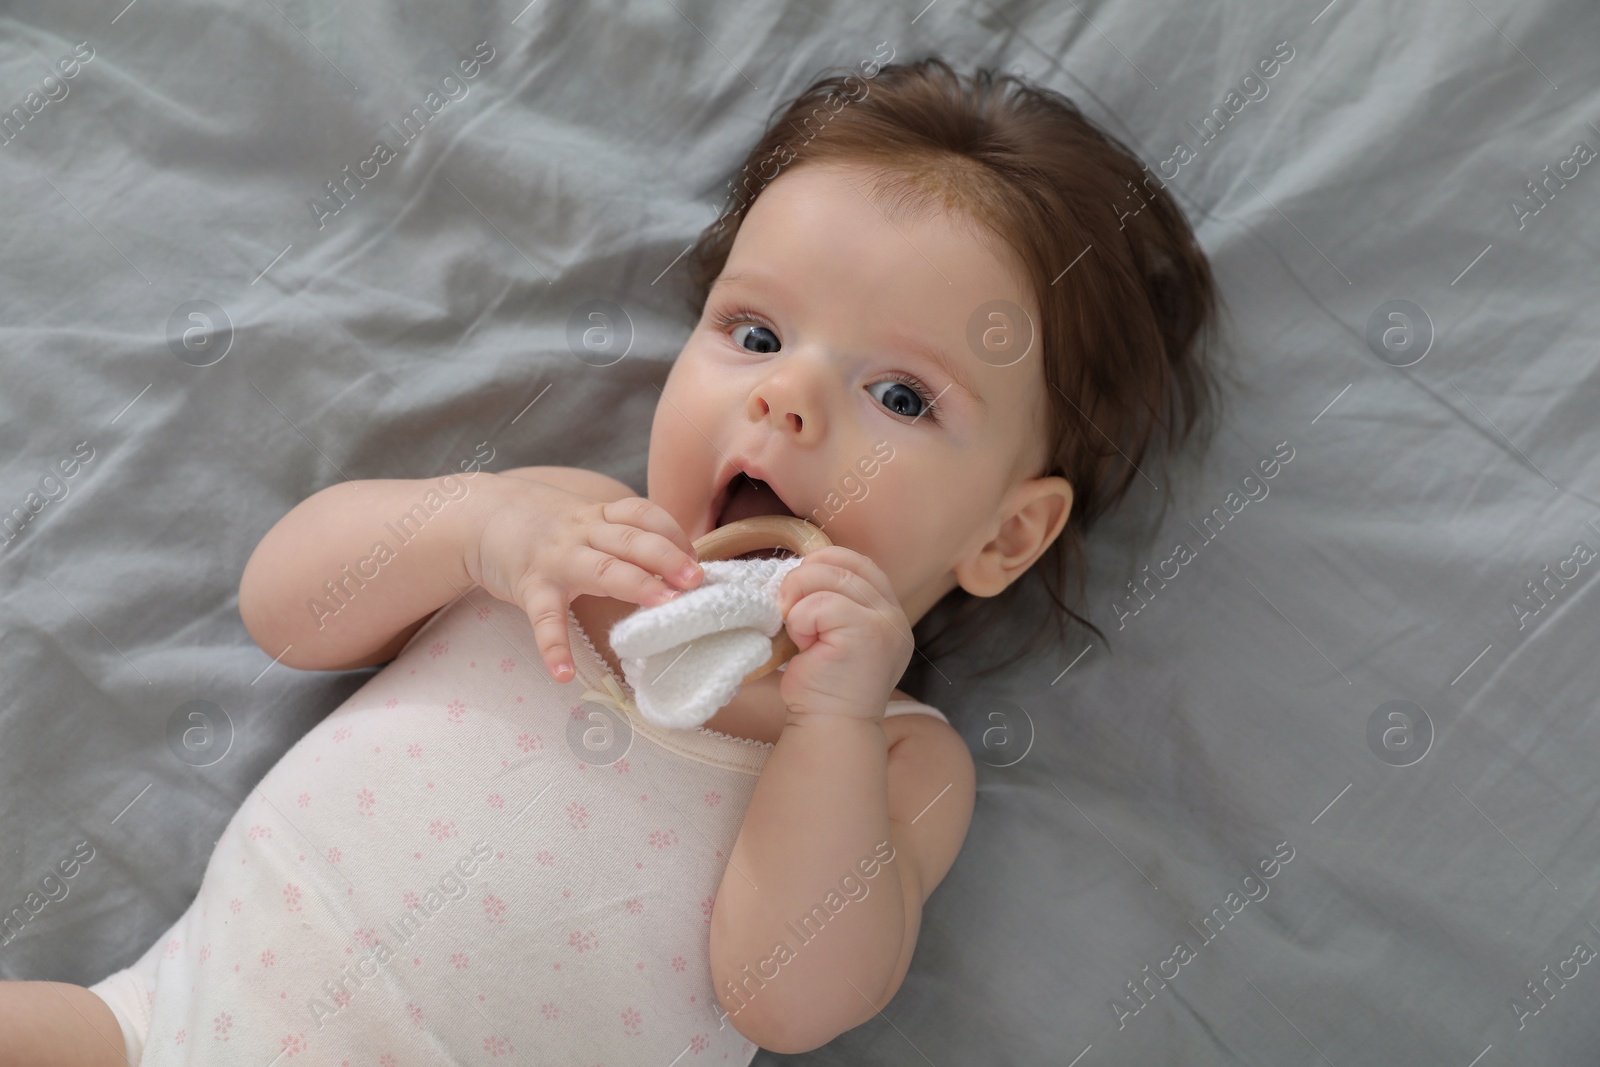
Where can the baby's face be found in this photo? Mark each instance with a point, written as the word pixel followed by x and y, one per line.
pixel 843 373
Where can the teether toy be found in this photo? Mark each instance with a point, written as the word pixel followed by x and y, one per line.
pixel 687 657
pixel 746 536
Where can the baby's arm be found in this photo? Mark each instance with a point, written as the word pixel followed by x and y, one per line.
pixel 53 1024
pixel 348 576
pixel 318 590
pixel 852 825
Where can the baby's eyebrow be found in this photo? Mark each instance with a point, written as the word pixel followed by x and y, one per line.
pixel 736 278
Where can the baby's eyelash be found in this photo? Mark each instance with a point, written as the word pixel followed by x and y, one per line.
pixel 731 317
pixel 916 386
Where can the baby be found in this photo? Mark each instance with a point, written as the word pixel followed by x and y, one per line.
pixel 941 320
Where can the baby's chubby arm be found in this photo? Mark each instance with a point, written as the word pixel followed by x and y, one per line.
pixel 858 823
pixel 349 575
pixel 854 821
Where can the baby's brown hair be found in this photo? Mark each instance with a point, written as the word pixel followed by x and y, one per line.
pixel 1124 337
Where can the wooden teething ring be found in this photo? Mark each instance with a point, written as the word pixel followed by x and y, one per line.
pixel 755 533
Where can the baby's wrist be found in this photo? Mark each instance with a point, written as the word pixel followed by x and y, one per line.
pixel 827 719
pixel 483 499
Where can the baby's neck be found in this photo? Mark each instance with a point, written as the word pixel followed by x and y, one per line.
pixel 757 710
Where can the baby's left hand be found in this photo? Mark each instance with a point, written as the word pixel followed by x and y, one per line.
pixel 853 636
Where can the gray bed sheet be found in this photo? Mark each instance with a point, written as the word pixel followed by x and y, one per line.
pixel 1330 795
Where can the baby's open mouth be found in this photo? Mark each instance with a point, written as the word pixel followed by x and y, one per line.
pixel 746 497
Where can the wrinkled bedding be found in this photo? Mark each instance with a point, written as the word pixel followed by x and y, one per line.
pixel 1329 796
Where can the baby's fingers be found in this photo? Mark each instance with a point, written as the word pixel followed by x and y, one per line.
pixel 666 553
pixel 649 552
pixel 607 575
pixel 547 611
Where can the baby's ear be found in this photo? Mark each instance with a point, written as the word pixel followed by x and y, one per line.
pixel 1031 516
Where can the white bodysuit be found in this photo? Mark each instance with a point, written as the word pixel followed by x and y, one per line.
pixel 464 861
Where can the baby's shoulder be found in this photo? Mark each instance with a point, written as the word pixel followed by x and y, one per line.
pixel 588 483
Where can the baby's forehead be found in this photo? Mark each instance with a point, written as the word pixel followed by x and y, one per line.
pixel 826 222
pixel 900 198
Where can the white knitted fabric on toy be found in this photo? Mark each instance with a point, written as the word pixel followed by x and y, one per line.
pixel 686 658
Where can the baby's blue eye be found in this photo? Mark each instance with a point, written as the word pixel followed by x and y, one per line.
pixel 900 398
pixel 766 340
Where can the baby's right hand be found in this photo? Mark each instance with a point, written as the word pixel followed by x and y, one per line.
pixel 539 546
